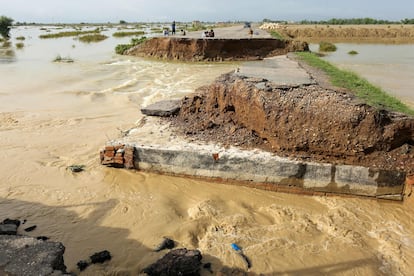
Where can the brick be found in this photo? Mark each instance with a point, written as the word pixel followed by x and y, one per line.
pixel 109 153
pixel 117 147
pixel 109 148
pixel 409 180
pixel 129 164
pixel 118 160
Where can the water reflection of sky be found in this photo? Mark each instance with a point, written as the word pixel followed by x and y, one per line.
pixel 387 65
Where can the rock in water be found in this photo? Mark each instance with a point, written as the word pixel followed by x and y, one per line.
pixel 11 221
pixel 100 257
pixel 177 262
pixel 166 244
pixel 82 265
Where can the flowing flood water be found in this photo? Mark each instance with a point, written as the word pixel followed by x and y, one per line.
pixel 53 115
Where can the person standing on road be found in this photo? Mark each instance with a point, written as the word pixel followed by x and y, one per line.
pixel 173 28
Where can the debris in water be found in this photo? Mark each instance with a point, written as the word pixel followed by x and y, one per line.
pixel 31 228
pixel 240 252
pixel 100 257
pixel 165 244
pixel 82 265
pixel 76 168
pixel 207 266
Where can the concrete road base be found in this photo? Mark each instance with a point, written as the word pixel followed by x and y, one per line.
pixel 154 148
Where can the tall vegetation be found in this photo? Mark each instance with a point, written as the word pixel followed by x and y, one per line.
pixel 5 24
pixel 123 34
pixel 92 38
pixel 357 21
pixel 68 33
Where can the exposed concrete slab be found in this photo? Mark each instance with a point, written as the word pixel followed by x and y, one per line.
pixel 279 69
pixel 157 149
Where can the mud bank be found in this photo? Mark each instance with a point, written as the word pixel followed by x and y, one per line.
pixel 193 49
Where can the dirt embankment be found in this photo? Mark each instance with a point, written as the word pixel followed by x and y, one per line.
pixel 346 33
pixel 193 49
pixel 308 123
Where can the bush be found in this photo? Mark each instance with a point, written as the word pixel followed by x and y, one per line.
pixel 5 24
pixel 123 34
pixel 327 47
pixel 20 38
pixel 92 38
pixel 352 52
pixel 19 45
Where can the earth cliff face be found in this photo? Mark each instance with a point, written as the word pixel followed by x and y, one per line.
pixel 308 122
pixel 190 49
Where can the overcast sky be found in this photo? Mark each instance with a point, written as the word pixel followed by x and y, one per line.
pixel 72 11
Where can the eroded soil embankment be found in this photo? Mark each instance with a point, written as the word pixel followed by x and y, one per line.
pixel 190 49
pixel 308 122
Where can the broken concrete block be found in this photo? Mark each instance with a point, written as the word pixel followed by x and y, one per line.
pixel 162 108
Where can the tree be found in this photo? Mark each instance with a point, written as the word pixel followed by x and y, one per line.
pixel 5 24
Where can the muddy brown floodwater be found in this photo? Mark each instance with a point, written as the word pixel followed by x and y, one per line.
pixel 62 114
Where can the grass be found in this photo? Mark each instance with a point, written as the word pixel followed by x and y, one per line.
pixel 20 38
pixel 67 34
pixel 92 38
pixel 124 34
pixel 6 44
pixel 156 30
pixel 59 58
pixel 352 52
pixel 277 35
pixel 121 48
pixel 19 45
pixel 364 90
pixel 326 47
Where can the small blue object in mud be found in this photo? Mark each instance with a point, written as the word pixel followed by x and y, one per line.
pixel 235 247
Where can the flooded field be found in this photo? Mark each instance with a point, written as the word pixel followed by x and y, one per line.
pixel 53 115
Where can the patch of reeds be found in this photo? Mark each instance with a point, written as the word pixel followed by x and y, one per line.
pixel 67 34
pixel 156 30
pixel 20 38
pixel 327 47
pixel 19 45
pixel 124 34
pixel 364 90
pixel 92 38
pixel 6 43
pixel 121 48
pixel 59 58
pixel 352 52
